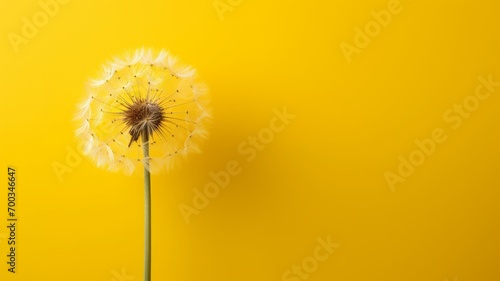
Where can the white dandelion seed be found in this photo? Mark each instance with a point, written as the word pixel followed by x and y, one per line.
pixel 145 91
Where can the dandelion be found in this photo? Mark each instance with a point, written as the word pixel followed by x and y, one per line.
pixel 145 110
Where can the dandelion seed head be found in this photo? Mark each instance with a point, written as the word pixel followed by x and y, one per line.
pixel 143 92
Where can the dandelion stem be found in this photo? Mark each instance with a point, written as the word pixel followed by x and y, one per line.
pixel 147 208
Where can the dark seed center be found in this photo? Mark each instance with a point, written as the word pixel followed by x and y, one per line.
pixel 143 117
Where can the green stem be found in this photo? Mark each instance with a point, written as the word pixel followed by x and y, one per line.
pixel 147 208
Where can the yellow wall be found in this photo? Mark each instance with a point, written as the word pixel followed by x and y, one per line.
pixel 322 176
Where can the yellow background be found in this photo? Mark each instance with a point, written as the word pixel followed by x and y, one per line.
pixel 323 175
